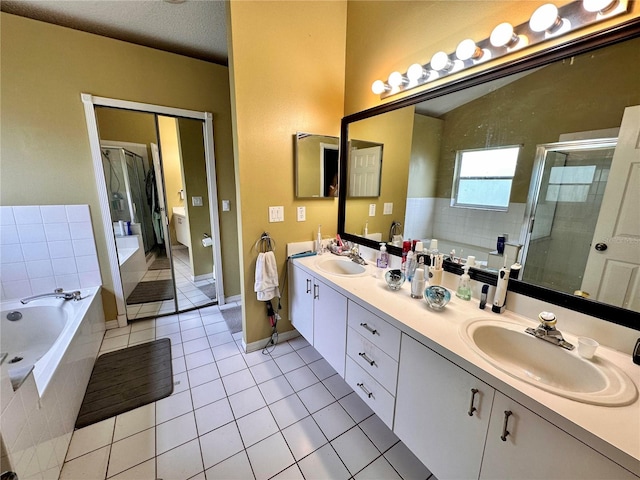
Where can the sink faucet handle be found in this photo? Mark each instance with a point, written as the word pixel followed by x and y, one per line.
pixel 547 319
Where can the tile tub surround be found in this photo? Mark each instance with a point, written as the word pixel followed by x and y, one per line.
pixel 236 415
pixel 36 430
pixel 45 247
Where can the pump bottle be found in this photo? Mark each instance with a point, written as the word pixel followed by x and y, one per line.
pixel 500 298
pixel 464 285
pixel 383 257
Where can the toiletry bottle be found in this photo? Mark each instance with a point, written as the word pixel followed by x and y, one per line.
pixel 383 257
pixel 417 282
pixel 319 241
pixel 411 264
pixel 500 298
pixel 464 285
pixel 406 248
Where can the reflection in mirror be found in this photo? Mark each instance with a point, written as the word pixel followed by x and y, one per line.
pixel 365 168
pixel 316 165
pixel 544 105
pixel 152 164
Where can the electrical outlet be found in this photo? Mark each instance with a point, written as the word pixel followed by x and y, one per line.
pixel 226 205
pixel 302 214
pixel 372 209
pixel 196 201
pixel 388 209
pixel 276 214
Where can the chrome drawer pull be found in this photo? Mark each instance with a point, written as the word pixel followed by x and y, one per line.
pixel 308 285
pixel 372 330
pixel 369 394
pixel 505 432
pixel 367 359
pixel 471 407
pixel 316 291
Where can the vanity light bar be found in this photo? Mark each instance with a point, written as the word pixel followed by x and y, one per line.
pixel 547 21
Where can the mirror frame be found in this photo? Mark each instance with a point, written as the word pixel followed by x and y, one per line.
pixel 584 44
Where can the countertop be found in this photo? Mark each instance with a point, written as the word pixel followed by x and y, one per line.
pixel 614 431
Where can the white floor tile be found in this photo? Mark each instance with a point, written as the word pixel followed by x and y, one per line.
pixel 139 325
pixel 316 397
pixel 193 346
pixel 220 338
pixel 173 406
pixel 256 426
pixel 230 365
pixel 144 470
pixel 322 464
pixel 265 371
pixel 134 421
pixel 337 386
pixel 405 462
pixel 131 451
pixel 203 374
pixel 114 343
pixel 175 432
pixel 281 349
pixel 207 393
pixel 355 449
pixel 379 469
pixel 189 323
pixel 225 350
pixel 298 342
pixel 254 358
pixel 356 407
pixel 246 401
pixel 304 437
pixel 288 411
pixel 195 360
pixel 291 473
pixel 178 365
pixel 322 369
pixel 193 333
pixel 378 432
pixel 275 389
pixel 218 327
pixel 236 382
pixel 213 415
pixel 301 378
pixel 289 361
pixel 91 438
pixel 309 354
pixel 333 420
pixel 270 456
pixel 91 465
pixel 220 444
pixel 169 329
pixel 180 382
pixel 115 332
pixel 233 468
pixel 184 461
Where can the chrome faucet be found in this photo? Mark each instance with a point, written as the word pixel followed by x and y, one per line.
pixel 57 293
pixel 354 255
pixel 395 230
pixel 547 331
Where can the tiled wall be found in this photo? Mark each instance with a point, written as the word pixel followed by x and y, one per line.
pixel 46 247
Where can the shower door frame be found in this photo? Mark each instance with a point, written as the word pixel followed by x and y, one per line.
pixel 90 102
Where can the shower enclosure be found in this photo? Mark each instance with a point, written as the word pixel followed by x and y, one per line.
pixel 125 174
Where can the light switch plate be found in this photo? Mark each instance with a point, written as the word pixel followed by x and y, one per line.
pixel 388 209
pixel 226 206
pixel 302 214
pixel 196 201
pixel 372 209
pixel 276 214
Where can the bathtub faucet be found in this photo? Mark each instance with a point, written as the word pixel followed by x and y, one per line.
pixel 57 293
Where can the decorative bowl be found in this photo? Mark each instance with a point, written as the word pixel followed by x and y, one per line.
pixel 394 278
pixel 437 297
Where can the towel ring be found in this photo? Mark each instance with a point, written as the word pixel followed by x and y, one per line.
pixel 265 243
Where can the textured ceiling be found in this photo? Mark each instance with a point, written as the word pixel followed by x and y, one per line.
pixel 196 28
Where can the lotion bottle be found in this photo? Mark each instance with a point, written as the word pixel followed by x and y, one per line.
pixel 464 285
pixel 319 241
pixel 417 282
pixel 383 257
pixel 500 298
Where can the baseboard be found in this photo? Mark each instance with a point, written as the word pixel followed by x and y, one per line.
pixel 233 298
pixel 111 324
pixel 259 345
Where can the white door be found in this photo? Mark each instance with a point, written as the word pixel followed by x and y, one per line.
pixel 163 210
pixel 612 274
pixel 364 172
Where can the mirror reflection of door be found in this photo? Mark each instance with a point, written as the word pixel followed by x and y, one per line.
pixel 156 179
pixel 365 168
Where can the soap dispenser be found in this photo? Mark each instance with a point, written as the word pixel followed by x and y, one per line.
pixel 318 245
pixel 464 285
pixel 383 257
pixel 500 298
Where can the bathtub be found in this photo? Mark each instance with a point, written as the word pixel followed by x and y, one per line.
pixel 39 339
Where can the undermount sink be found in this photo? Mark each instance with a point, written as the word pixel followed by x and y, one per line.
pixel 341 266
pixel 506 346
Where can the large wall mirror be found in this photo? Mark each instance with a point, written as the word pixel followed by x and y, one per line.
pixel 567 198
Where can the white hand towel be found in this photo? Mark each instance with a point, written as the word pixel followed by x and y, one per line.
pixel 266 283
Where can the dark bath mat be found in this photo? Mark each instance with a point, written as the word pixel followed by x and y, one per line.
pixel 209 290
pixel 233 318
pixel 152 291
pixel 127 379
pixel 160 263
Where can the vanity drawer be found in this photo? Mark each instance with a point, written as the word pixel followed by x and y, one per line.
pixel 374 329
pixel 374 394
pixel 373 360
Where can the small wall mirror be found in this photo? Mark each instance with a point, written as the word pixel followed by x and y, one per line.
pixel 317 166
pixel 365 168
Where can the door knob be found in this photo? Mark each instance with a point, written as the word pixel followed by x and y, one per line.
pixel 601 247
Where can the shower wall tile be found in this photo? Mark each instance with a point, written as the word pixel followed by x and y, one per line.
pixel 46 247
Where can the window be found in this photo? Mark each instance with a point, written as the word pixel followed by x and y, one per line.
pixel 483 177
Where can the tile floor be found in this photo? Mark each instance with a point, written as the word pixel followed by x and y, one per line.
pixel 233 415
pixel 189 295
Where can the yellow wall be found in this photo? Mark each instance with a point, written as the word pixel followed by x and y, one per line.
pixel 44 144
pixel 168 133
pixel 425 156
pixel 287 66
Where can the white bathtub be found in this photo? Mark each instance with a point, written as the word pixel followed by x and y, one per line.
pixel 39 339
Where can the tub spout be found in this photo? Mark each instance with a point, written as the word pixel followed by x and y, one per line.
pixel 57 293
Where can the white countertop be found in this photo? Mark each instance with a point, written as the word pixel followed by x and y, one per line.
pixel 613 431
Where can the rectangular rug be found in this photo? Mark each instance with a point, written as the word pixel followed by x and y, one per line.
pixel 151 291
pixel 233 318
pixel 209 290
pixel 127 379
pixel 160 263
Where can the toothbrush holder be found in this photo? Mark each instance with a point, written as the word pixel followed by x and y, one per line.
pixel 435 276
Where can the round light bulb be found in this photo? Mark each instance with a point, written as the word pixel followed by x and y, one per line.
pixel 545 18
pixel 599 6
pixel 378 87
pixel 395 79
pixel 467 49
pixel 416 72
pixel 440 61
pixel 503 35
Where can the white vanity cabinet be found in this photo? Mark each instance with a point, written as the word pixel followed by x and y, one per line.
pixel 535 448
pixel 319 313
pixel 442 412
pixel 373 347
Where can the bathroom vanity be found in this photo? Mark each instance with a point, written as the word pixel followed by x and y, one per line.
pixel 459 414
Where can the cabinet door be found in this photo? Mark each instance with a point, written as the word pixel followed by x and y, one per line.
pixel 301 301
pixel 330 325
pixel 537 449
pixel 432 412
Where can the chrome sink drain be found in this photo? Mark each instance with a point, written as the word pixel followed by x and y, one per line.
pixel 13 316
